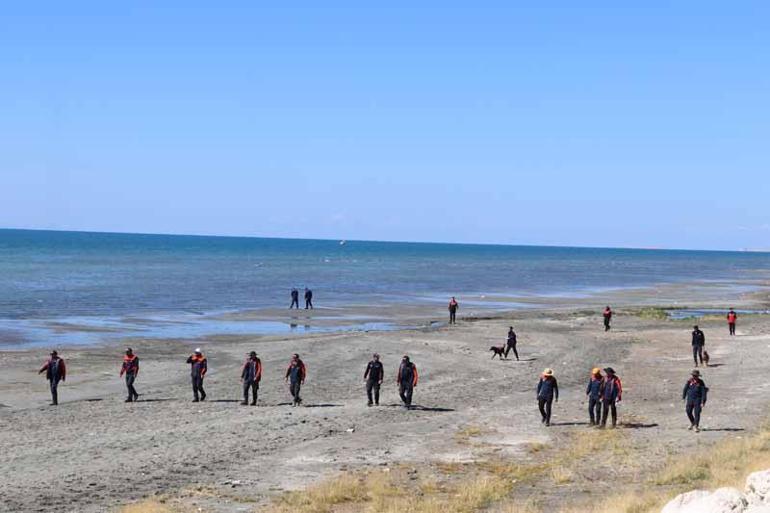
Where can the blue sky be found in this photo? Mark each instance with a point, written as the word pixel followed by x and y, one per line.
pixel 505 122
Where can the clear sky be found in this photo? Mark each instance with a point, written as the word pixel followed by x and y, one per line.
pixel 567 123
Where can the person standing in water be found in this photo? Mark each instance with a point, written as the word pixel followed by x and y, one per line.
pixel 511 344
pixel 296 373
pixel 308 298
pixel 131 369
pixel 547 390
pixel 294 299
pixel 198 368
pixel 453 306
pixel 251 374
pixel 732 318
pixel 607 318
pixel 373 376
pixel 55 371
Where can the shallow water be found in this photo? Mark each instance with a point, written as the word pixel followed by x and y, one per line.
pixel 175 284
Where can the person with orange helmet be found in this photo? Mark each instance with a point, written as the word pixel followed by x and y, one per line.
pixel 593 392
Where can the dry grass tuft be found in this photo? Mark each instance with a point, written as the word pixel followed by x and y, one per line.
pixel 148 506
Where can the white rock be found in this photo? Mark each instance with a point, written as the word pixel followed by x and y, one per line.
pixel 723 500
pixel 758 487
pixel 758 508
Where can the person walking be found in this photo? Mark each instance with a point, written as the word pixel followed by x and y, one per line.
pixel 547 391
pixel 453 306
pixel 308 298
pixel 198 369
pixel 732 318
pixel 695 394
pixel 611 394
pixel 407 379
pixel 131 369
pixel 593 392
pixel 55 371
pixel 295 376
pixel 698 342
pixel 607 317
pixel 294 299
pixel 251 374
pixel 373 377
pixel 511 344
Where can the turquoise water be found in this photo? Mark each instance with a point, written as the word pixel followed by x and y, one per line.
pixel 60 275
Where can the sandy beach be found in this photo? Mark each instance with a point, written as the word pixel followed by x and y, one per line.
pixel 95 453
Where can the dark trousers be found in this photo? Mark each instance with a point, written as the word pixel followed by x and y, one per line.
pixel 545 409
pixel 373 386
pixel 697 353
pixel 294 388
pixel 308 304
pixel 693 413
pixel 452 317
pixel 508 349
pixel 132 393
pixel 405 390
pixel 732 328
pixel 54 391
pixel 294 303
pixel 254 387
pixel 606 324
pixel 197 386
pixel 595 410
pixel 607 408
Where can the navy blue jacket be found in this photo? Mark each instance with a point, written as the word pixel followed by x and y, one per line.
pixel 612 390
pixel 547 388
pixel 594 388
pixel 698 338
pixel 695 391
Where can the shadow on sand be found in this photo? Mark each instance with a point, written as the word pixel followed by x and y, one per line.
pixel 637 425
pixel 729 430
pixel 418 407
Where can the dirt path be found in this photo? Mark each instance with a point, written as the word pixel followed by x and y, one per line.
pixel 94 451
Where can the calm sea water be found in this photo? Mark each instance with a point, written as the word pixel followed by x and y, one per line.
pixel 53 275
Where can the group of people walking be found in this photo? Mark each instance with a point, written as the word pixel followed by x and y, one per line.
pixel 251 376
pixel 603 391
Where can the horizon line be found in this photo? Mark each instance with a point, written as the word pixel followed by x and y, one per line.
pixel 499 244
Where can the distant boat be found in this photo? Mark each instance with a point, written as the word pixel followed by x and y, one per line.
pixel 343 242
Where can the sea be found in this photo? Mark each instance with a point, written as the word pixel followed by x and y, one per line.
pixel 109 284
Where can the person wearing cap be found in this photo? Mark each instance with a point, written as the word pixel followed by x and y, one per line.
pixel 131 369
pixel 251 374
pixel 406 379
pixel 593 391
pixel 547 390
pixel 55 371
pixel 373 377
pixel 611 394
pixel 732 318
pixel 607 314
pixel 296 373
pixel 198 368
pixel 695 394
pixel 511 344
pixel 698 342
